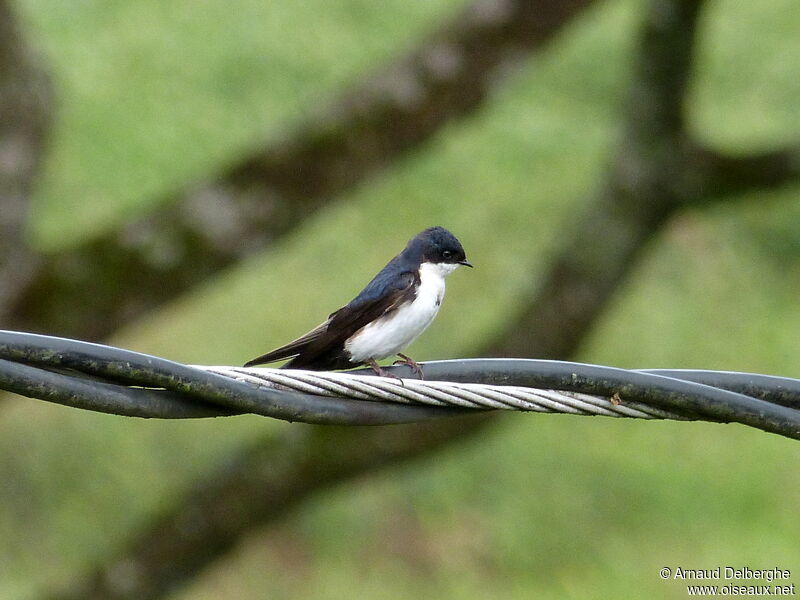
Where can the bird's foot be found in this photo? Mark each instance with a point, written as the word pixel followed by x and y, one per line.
pixel 381 372
pixel 415 366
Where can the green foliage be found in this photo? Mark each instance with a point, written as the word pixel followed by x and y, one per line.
pixel 155 95
pixel 748 84
pixel 732 274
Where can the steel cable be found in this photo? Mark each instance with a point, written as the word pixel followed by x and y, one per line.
pixel 113 380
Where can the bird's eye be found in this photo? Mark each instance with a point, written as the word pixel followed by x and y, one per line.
pixel 447 254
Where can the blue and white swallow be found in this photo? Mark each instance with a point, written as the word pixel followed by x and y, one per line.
pixel 386 316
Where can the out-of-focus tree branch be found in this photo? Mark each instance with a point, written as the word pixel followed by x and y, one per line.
pixel 721 175
pixel 657 170
pixel 24 118
pixel 89 291
pixel 258 489
pixel 627 211
pixel 647 184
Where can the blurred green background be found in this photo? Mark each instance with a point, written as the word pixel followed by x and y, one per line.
pixel 154 95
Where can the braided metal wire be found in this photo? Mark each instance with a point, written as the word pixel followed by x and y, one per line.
pixel 440 393
pixel 113 380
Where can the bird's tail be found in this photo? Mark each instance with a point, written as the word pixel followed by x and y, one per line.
pixel 290 350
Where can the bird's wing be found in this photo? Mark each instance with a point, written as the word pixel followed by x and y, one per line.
pixel 381 296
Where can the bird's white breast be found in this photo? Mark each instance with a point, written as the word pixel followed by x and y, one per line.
pixel 389 335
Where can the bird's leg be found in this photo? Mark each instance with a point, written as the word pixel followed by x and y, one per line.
pixel 380 372
pixel 415 366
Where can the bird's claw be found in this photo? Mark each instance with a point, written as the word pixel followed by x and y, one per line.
pixel 409 362
pixel 383 373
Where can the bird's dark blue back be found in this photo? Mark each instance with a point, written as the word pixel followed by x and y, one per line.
pixel 388 279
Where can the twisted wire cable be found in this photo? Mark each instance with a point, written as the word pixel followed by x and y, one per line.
pixel 113 380
pixel 440 393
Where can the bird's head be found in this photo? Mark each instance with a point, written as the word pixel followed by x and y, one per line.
pixel 440 247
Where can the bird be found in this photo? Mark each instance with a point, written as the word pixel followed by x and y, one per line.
pixel 394 308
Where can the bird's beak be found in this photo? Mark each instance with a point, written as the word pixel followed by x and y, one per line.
pixel 466 263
